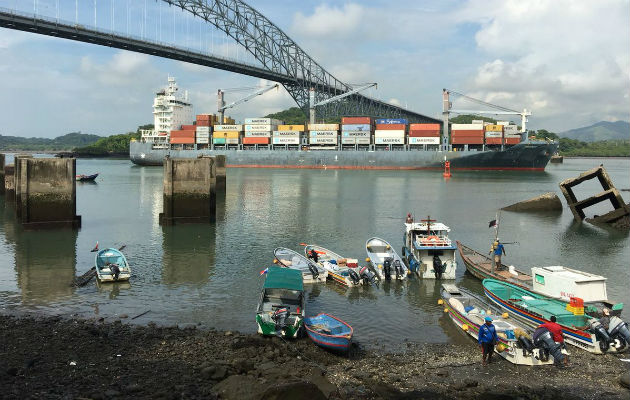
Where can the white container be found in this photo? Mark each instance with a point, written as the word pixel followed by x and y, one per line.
pixel 285 140
pixel 348 140
pixel 199 140
pixel 203 129
pixel 363 140
pixel 287 134
pixel 490 134
pixel 263 121
pixel 477 121
pixel 389 134
pixel 356 134
pixel 518 135
pixel 231 141
pixel 323 127
pixel 510 128
pixel 356 127
pixel 225 128
pixel 467 127
pixel 261 128
pixel 558 281
pixel 257 134
pixel 504 123
pixel 424 140
pixel 323 140
pixel 323 133
pixel 389 140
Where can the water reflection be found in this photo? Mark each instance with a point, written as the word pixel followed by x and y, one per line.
pixel 112 289
pixel 189 253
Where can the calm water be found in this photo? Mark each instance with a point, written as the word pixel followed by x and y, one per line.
pixel 208 274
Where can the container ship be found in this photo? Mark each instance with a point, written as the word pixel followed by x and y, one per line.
pixel 356 143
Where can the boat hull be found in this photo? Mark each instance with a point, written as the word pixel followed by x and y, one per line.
pixel 266 328
pixel 372 247
pixel 520 157
pixel 477 269
pixel 336 342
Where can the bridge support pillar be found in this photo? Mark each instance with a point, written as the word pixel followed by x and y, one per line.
pixel 189 191
pixel 16 179
pixel 221 162
pixel 46 192
pixel 2 161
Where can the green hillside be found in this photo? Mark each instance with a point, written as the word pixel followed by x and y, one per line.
pixel 65 142
pixel 114 145
pixel 603 130
pixel 467 119
pixel 295 116
pixel 576 148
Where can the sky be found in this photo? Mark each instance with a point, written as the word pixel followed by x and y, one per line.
pixel 568 61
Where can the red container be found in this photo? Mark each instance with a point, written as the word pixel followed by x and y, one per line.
pixel 462 133
pixel 255 140
pixel 188 127
pixel 492 140
pixel 204 117
pixel 356 120
pixel 204 123
pixel 391 127
pixel 417 133
pixel 424 127
pixel 183 134
pixel 182 140
pixel 512 140
pixel 467 140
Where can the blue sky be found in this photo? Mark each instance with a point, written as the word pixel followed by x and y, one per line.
pixel 567 61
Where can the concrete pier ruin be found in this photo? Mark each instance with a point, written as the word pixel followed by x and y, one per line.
pixel 189 191
pixel 619 217
pixel 45 192
pixel 2 165
pixel 220 162
pixel 16 179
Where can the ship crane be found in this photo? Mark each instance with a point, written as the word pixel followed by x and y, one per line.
pixel 498 110
pixel 331 99
pixel 221 106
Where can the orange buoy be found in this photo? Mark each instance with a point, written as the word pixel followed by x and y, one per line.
pixel 447 169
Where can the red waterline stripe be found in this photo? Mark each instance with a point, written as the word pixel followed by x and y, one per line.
pixel 380 167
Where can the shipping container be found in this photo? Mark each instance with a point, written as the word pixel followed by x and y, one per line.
pixel 503 123
pixel 424 127
pixel 493 128
pixel 203 128
pixel 256 140
pixel 512 140
pixel 299 128
pixel 218 140
pixel 494 140
pixel 510 128
pixel 203 123
pixel 467 127
pixel 232 135
pixel 183 140
pixel 383 121
pixel 467 140
pixel 323 140
pixel 423 140
pixel 389 134
pixel 260 128
pixel 188 127
pixel 231 127
pixel 231 141
pixel 257 134
pixel 202 140
pixel 491 134
pixel 287 133
pixel 467 133
pixel 348 140
pixel 228 121
pixel 263 121
pixel 202 135
pixel 416 133
pixel 389 140
pixel 323 127
pixel 285 140
pixel 356 120
pixel 391 127
pixel 356 127
pixel 478 121
pixel 366 134
pixel 219 135
pixel 326 133
pixel 364 140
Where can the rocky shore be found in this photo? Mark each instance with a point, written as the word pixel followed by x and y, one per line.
pixel 51 357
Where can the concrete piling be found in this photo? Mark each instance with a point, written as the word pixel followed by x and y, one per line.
pixel 2 162
pixel 46 192
pixel 189 191
pixel 16 181
pixel 9 183
pixel 220 162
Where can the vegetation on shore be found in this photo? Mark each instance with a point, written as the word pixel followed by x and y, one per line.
pixel 576 148
pixel 65 142
pixel 110 145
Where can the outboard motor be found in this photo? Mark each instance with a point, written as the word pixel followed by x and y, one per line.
pixel 367 275
pixel 398 269
pixel 279 317
pixel 314 270
pixel 115 271
pixel 526 345
pixel 601 334
pixel 354 277
pixel 619 331
pixel 543 339
pixel 387 268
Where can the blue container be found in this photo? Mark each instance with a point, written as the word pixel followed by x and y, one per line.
pixel 356 127
pixel 392 121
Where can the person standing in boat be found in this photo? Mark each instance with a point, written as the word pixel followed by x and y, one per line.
pixel 556 331
pixel 499 250
pixel 487 339
pixel 409 219
pixel 313 255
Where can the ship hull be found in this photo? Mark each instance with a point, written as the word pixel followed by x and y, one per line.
pixel 523 157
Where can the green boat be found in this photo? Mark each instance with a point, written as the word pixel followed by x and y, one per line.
pixel 281 307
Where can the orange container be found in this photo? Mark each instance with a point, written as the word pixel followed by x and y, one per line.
pixel 188 127
pixel 497 140
pixel 255 140
pixel 471 133
pixel 421 133
pixel 183 134
pixel 467 140
pixel 356 120
pixel 424 127
pixel 204 123
pixel 183 140
pixel 391 127
pixel 512 140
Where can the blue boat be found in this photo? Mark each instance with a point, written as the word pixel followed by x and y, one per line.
pixel 111 266
pixel 329 332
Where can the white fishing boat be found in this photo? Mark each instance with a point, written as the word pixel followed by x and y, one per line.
pixel 311 271
pixel 345 271
pixel 428 250
pixel 386 263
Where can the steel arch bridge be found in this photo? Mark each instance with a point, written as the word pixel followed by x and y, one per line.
pixel 281 59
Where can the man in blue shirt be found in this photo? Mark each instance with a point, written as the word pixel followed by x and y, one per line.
pixel 499 250
pixel 487 339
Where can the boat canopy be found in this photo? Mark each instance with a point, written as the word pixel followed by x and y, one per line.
pixel 283 278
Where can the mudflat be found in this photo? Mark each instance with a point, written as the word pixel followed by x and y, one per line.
pixel 68 358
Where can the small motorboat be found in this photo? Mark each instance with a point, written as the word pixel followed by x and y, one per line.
pixel 111 266
pixel 280 309
pixel 311 271
pixel 329 332
pixel 387 264
pixel 86 178
pixel 468 312
pixel 345 271
pixel 428 250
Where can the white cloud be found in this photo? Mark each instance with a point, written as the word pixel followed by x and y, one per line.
pixel 123 69
pixel 331 22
